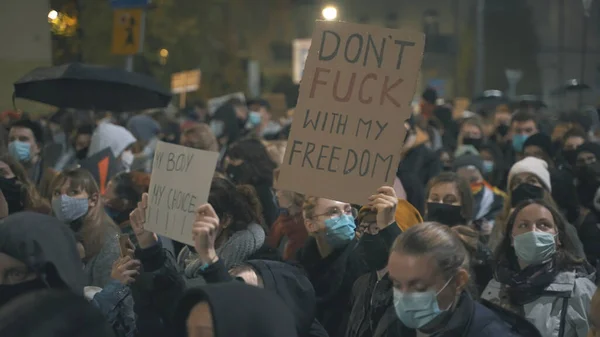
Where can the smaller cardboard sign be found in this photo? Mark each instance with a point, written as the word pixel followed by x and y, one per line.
pixel 180 182
pixel 214 103
pixel 102 166
pixel 278 104
pixel 186 81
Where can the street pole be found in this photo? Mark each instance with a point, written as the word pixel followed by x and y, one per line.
pixel 560 50
pixel 129 63
pixel 480 49
pixel 587 4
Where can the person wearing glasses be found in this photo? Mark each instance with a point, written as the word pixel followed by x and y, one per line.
pixel 331 255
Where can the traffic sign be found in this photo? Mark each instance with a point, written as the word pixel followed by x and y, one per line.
pixel 128 25
pixel 129 3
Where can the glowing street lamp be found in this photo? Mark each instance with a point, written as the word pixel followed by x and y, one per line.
pixel 52 15
pixel 330 13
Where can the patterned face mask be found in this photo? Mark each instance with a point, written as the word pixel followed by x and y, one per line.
pixel 68 209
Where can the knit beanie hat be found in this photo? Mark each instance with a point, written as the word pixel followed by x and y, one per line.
pixel 542 141
pixel 534 166
pixel 468 160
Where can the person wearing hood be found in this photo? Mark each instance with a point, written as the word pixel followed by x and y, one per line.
pixel 39 252
pixel 538 274
pixel 115 137
pixel 232 309
pixel 146 131
pixel 51 313
pixel 76 201
pixel 372 313
pixel 417 157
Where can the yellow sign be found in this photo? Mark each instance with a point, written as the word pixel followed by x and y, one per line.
pixel 127 31
pixel 185 81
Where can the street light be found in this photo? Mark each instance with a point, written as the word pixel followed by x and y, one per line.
pixel 330 13
pixel 52 15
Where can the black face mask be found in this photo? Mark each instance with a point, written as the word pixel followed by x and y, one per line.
pixel 10 292
pixel 502 130
pixel 447 168
pixel 476 142
pixel 570 156
pixel 449 215
pixel 374 251
pixel 81 154
pixel 525 192
pixel 11 189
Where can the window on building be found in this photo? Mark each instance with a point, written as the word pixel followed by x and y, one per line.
pixel 431 24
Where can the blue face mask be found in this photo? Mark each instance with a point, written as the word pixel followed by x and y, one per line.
pixel 417 309
pixel 518 141
pixel 254 118
pixel 340 230
pixel 534 247
pixel 20 150
pixel 488 166
pixel 68 209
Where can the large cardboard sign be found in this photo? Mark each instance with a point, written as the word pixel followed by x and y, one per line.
pixel 355 95
pixel 180 182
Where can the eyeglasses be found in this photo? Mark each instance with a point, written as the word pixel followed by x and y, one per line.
pixel 337 212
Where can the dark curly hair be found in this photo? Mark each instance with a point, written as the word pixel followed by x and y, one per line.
pixel 258 165
pixel 238 203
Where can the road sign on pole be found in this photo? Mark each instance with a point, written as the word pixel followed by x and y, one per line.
pixel 128 31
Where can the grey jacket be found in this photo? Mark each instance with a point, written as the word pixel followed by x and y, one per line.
pixel 97 270
pixel 545 312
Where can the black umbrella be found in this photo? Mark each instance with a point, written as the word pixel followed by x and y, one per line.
pixel 572 85
pixel 83 86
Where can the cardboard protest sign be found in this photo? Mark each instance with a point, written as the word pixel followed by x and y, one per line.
pixel 348 126
pixel 214 103
pixel 103 166
pixel 180 182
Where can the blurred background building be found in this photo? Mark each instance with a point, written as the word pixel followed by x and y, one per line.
pixel 231 39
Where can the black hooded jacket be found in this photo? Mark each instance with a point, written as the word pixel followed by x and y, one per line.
pixel 46 246
pixel 295 289
pixel 239 310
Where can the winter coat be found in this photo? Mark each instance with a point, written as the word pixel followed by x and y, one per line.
pixel 565 302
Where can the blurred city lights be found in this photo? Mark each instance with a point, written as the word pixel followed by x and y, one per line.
pixel 52 15
pixel 164 53
pixel 330 13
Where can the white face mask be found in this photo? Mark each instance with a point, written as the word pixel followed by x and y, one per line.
pixel 127 159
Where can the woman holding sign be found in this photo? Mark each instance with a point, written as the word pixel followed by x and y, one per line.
pixel 330 256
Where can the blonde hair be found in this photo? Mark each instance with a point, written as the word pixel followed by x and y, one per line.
pixel 439 241
pixel 308 207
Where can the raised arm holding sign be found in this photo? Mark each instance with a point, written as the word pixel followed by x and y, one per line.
pixel 180 183
pixel 354 98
